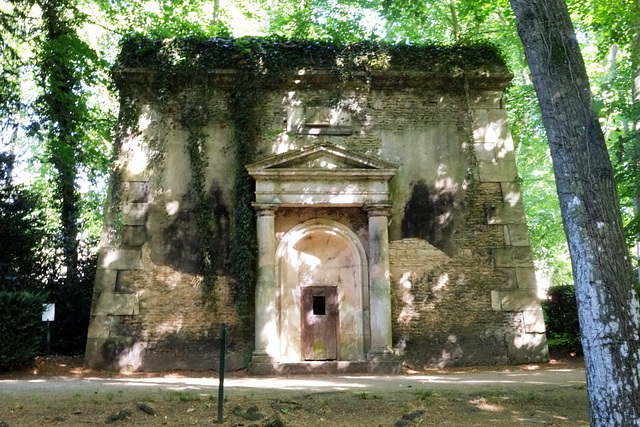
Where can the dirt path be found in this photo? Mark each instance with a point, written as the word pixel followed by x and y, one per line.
pixel 544 394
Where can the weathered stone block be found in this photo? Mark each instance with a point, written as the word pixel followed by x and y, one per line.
pixel 490 125
pixel 527 348
pixel 505 213
pixel 533 321
pixel 120 259
pixel 480 122
pixel 486 99
pixel 101 326
pixel 496 301
pixel 117 304
pixel 484 152
pixel 105 280
pixel 136 192
pixel 497 128
pixel 134 158
pixel 511 192
pixel 526 277
pixel 511 275
pixel 497 171
pixel 513 256
pixel 519 234
pixel 134 235
pixel 507 238
pixel 134 213
pixel 514 300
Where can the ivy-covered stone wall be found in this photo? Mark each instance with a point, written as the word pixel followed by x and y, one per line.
pixel 178 254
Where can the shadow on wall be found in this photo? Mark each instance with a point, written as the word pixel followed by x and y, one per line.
pixel 177 350
pixel 182 240
pixel 431 215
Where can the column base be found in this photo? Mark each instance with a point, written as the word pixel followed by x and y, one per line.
pixel 382 355
pixel 261 356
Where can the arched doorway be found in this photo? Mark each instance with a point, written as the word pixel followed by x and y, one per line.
pixel 323 306
pixel 321 258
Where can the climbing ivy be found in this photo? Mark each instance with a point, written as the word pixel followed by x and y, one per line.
pixel 175 64
pixel 243 104
pixel 194 117
pixel 180 59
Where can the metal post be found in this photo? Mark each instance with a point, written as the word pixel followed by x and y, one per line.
pixel 48 338
pixel 223 344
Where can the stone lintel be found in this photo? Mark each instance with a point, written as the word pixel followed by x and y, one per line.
pixel 116 304
pixel 513 256
pixel 514 300
pixel 305 174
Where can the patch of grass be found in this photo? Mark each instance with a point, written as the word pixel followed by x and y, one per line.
pixel 532 396
pixel 185 396
pixel 109 396
pixel 423 394
pixel 364 395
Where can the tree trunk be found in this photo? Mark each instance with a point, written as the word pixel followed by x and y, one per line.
pixel 216 12
pixel 454 21
pixel 635 99
pixel 604 281
pixel 63 110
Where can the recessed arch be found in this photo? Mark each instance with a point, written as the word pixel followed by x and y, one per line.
pixel 323 252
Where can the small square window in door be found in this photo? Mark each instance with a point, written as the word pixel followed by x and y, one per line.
pixel 319 305
pixel 320 320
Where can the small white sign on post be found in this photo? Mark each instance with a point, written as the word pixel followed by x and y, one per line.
pixel 48 312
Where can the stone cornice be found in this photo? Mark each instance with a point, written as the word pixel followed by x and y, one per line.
pixel 393 79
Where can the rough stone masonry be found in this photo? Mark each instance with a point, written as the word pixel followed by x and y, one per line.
pixel 388 221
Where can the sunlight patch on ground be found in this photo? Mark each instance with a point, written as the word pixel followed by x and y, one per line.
pixel 483 405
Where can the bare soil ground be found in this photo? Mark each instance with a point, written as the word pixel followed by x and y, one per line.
pixel 134 403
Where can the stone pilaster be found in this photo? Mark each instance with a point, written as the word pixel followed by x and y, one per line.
pixel 379 282
pixel 267 342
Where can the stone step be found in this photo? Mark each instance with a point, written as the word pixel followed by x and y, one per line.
pixel 325 367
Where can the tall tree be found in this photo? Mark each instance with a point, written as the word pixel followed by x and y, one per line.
pixel 605 285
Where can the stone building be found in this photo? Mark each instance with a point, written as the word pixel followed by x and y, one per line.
pixel 387 220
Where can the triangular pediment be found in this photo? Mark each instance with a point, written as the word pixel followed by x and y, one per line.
pixel 320 156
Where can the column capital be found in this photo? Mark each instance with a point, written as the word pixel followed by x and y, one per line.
pixel 265 209
pixel 377 209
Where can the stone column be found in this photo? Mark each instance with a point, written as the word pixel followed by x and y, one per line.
pixel 379 282
pixel 267 341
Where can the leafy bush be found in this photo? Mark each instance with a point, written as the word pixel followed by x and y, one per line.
pixel 21 328
pixel 73 304
pixel 21 233
pixel 561 318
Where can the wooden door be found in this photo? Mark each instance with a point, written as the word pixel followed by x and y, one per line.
pixel 319 322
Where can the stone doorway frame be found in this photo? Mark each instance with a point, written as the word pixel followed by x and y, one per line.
pixel 288 320
pixel 321 175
